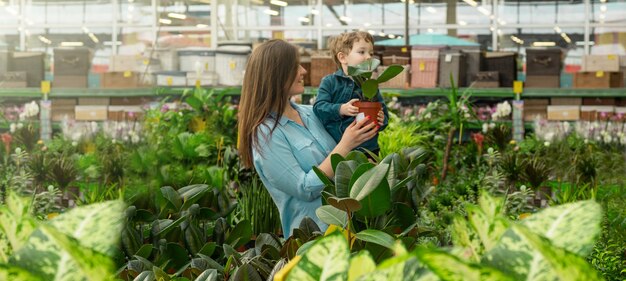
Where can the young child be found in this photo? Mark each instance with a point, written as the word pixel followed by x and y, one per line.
pixel 338 92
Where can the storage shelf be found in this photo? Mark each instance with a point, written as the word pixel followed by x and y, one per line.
pixel 29 93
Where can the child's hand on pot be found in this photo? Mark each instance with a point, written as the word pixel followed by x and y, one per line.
pixel 348 109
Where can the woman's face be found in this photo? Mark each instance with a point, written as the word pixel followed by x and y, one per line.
pixel 298 85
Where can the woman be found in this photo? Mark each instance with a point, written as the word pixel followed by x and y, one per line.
pixel 283 140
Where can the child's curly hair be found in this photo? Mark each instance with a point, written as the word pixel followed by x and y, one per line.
pixel 344 41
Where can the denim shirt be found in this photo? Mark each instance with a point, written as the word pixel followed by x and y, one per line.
pixel 285 165
pixel 335 90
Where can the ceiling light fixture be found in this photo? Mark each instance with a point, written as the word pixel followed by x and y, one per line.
pixel 557 29
pixel 94 38
pixel 279 3
pixel 72 44
pixel 566 38
pixel 462 22
pixel 165 21
pixel 544 44
pixel 201 25
pixel 44 39
pixel 471 3
pixel 484 11
pixel 431 10
pixel 345 19
pixel 271 12
pixel 303 19
pixel 177 16
pixel 315 12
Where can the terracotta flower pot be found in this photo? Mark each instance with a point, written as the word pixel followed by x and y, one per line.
pixel 368 108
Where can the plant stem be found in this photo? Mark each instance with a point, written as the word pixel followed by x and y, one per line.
pixel 446 155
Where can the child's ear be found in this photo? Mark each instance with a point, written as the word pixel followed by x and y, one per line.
pixel 341 56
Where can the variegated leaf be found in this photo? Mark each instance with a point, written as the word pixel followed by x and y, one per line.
pixel 97 227
pixel 361 264
pixel 402 268
pixel 489 228
pixel 572 227
pixel 327 259
pixel 566 265
pixel 15 221
pixel 450 267
pixel 14 273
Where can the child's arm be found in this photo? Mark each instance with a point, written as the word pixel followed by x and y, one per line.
pixel 325 108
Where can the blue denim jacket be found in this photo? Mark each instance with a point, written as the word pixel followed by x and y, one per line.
pixel 335 90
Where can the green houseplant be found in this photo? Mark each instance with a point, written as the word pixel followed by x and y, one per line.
pixel 362 75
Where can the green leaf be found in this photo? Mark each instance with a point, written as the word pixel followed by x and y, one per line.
pixel 15 221
pixel 347 204
pixel 360 170
pixel 343 174
pixel 450 267
pixel 246 272
pixel 266 239
pixel 572 227
pixel 240 235
pixel 335 159
pixel 325 180
pixel 489 230
pixel 191 194
pixel 15 273
pixel 194 102
pixel 389 73
pixel 172 197
pixel 207 275
pixel 159 274
pixel 327 259
pixel 370 88
pixel 357 156
pixel 208 249
pixel 162 227
pixel 369 181
pixel 377 237
pixel 566 265
pixel 145 251
pixel 331 215
pixel 360 265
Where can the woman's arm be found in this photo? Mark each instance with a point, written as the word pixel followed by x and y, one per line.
pixel 353 136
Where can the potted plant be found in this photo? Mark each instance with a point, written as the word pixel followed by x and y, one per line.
pixel 362 75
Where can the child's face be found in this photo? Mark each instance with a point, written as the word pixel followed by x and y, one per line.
pixel 361 51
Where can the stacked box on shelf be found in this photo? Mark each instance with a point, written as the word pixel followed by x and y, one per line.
pixel 620 113
pixel 598 80
pixel 129 101
pixel 622 67
pixel 167 57
pixel 94 101
pixel 399 82
pixel 30 62
pixel 199 63
pixel 607 63
pixel 543 67
pixel 62 109
pixel 322 64
pixel 535 108
pixel 91 112
pixel 394 59
pixel 122 113
pixel 230 63
pixel 170 78
pixel 563 112
pixel 397 51
pixel 13 79
pixel 566 101
pixel 596 112
pixel 473 62
pixel 451 62
pixel 424 67
pixel 599 101
pixel 505 63
pixel 120 80
pixel 486 79
pixel 71 67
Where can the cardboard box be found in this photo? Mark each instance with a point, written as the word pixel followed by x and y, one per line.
pixel 62 112
pixel 119 80
pixel 542 62
pixel 90 112
pixel 13 79
pixel 321 65
pixel 32 63
pixel 395 59
pixel 206 79
pixel 593 113
pixel 94 101
pixel 129 101
pixel 600 63
pixel 124 113
pixel 566 101
pixel 543 81
pixel 63 102
pixel 532 115
pixel 598 79
pixel 121 63
pixel 71 61
pixel 170 78
pixel 70 81
pixel 599 101
pixel 5 57
pixel 531 102
pixel 563 112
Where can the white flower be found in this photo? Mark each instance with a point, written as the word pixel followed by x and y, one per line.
pixel 546 143
pixel 492 125
pixel 134 138
pixel 490 150
pixel 485 127
pixel 18 150
pixel 13 128
pixel 74 143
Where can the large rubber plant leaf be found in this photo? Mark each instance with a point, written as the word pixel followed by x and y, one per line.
pixel 331 215
pixel 327 259
pixel 172 197
pixel 377 237
pixel 360 170
pixel 372 191
pixel 93 233
pixel 335 159
pixel 191 194
pixel 240 235
pixel 343 174
pixel 573 227
pixel 449 267
pixel 367 182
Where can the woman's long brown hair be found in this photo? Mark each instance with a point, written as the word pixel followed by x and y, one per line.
pixel 271 70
